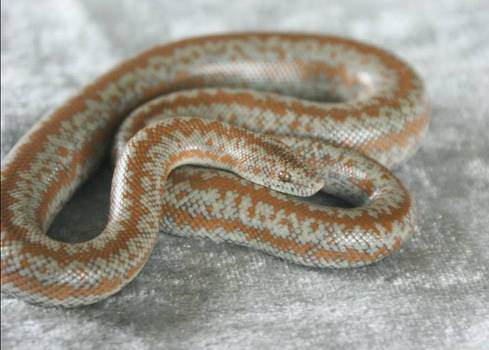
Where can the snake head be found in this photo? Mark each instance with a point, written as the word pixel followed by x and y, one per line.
pixel 275 165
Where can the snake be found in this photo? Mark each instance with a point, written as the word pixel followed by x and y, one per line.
pixel 222 137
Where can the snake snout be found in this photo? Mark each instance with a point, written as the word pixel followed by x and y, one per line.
pixel 289 173
pixel 307 183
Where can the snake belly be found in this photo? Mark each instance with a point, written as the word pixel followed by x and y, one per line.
pixel 350 109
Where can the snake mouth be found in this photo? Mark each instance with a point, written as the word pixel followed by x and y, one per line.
pixel 300 189
pixel 312 188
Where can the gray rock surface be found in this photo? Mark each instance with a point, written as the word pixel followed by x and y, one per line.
pixel 432 294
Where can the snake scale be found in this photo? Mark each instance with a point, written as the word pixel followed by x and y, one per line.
pixel 252 122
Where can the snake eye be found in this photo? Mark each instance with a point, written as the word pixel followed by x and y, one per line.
pixel 284 176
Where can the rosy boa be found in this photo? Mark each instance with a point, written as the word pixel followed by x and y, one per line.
pixel 271 83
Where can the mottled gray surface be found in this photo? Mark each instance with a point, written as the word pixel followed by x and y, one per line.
pixel 433 294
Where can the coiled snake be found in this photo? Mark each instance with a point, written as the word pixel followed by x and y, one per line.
pixel 332 100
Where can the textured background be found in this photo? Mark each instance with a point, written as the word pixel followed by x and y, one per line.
pixel 433 294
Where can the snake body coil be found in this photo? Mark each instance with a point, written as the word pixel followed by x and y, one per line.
pixel 268 83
